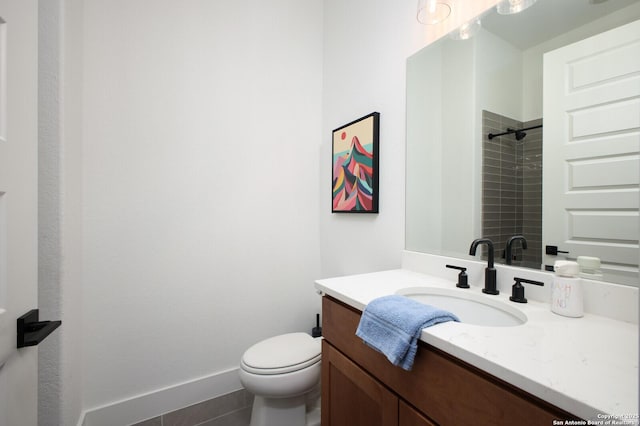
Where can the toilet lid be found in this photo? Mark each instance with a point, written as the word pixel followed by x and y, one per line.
pixel 282 354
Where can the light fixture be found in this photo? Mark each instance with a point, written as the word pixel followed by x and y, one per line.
pixel 432 12
pixel 508 7
pixel 466 30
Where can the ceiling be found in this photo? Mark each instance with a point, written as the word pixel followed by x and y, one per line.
pixel 523 30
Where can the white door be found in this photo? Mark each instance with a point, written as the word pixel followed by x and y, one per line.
pixel 591 136
pixel 18 206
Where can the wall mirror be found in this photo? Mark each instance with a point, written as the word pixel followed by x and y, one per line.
pixel 466 179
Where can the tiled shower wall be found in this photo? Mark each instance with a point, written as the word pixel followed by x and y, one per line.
pixel 512 187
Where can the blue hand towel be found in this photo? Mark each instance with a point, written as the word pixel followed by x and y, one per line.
pixel 393 324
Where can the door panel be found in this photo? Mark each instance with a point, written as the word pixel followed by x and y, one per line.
pixel 18 205
pixel 591 155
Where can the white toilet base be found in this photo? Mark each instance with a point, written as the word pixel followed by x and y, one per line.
pixel 279 411
pixel 313 417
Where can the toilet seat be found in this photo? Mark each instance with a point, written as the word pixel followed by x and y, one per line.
pixel 282 354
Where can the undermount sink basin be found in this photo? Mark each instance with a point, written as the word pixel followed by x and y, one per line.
pixel 471 308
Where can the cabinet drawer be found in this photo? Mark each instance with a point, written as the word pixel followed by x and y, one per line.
pixel 446 389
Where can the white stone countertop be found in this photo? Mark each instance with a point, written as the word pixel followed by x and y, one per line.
pixel 587 366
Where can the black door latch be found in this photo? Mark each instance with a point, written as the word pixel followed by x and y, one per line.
pixel 31 331
pixel 553 250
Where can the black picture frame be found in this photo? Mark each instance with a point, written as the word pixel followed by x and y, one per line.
pixel 355 166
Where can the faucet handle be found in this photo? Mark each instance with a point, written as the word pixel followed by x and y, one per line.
pixel 463 278
pixel 517 290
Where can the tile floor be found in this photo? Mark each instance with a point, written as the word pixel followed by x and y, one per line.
pixel 233 409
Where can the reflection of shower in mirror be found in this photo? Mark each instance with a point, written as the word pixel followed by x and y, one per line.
pixel 520 134
pixel 512 185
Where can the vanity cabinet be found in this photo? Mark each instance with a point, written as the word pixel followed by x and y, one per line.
pixel 361 388
pixel 354 397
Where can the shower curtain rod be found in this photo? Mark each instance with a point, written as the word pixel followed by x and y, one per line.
pixel 510 131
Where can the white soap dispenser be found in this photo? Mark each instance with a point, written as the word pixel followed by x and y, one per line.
pixel 566 290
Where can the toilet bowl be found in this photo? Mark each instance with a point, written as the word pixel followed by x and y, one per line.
pixel 283 374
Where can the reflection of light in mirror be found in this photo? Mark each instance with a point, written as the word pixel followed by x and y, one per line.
pixel 466 30
pixel 432 12
pixel 509 7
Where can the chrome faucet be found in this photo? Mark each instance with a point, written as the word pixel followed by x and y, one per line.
pixel 489 272
pixel 507 254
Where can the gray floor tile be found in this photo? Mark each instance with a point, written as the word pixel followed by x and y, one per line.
pixel 156 421
pixel 207 410
pixel 237 418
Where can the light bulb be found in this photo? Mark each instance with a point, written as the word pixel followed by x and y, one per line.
pixel 466 30
pixel 432 12
pixel 509 7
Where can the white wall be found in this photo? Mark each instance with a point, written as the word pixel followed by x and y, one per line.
pixel 458 103
pixel 366 44
pixel 200 172
pixel 442 136
pixel 195 139
pixel 498 77
pixel 450 128
pixel 424 158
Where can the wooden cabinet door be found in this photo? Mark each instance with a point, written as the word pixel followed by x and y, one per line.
pixel 409 416
pixel 351 397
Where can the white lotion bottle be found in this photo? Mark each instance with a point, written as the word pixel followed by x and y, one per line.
pixel 566 290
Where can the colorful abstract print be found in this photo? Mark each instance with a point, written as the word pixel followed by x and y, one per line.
pixel 353 179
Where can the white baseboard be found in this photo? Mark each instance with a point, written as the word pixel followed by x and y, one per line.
pixel 165 400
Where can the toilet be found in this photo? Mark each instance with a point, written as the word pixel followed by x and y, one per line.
pixel 283 374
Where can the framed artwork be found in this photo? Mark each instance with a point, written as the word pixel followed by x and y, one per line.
pixel 355 166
